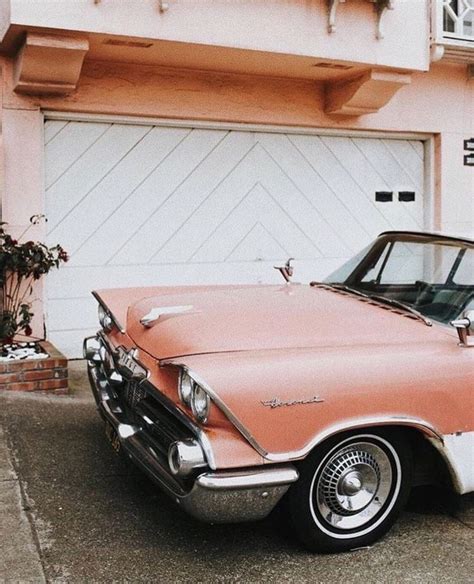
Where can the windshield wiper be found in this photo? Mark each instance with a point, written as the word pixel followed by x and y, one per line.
pixel 402 305
pixel 377 298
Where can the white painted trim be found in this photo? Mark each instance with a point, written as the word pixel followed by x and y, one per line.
pixel 211 125
pixel 429 185
pixel 459 452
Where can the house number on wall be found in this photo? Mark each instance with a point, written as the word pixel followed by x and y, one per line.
pixel 469 157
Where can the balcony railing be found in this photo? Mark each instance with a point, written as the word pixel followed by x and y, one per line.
pixel 453 30
pixel 458 20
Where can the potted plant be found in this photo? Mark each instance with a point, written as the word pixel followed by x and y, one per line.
pixel 21 264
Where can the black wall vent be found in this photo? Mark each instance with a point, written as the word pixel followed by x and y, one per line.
pixel 406 196
pixel 384 196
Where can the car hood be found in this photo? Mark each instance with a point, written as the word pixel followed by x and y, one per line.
pixel 233 319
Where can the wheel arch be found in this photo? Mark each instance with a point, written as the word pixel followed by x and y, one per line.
pixel 431 459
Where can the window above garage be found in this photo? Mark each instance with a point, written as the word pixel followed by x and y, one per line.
pixel 458 17
pixel 453 30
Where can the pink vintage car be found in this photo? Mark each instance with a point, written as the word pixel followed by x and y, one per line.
pixel 333 399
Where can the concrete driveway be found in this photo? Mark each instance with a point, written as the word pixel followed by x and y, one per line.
pixel 71 511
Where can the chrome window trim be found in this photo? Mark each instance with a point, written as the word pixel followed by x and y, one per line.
pixel 428 234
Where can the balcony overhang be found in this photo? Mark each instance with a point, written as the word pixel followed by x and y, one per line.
pixel 49 64
pixel 366 94
pixel 453 51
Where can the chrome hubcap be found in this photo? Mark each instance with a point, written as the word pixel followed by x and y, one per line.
pixel 353 485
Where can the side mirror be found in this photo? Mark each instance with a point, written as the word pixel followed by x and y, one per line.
pixel 465 327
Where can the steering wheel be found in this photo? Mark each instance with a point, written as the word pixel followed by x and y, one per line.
pixel 424 293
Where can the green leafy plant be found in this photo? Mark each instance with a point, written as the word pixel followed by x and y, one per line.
pixel 20 265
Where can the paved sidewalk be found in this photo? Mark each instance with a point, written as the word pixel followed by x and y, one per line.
pixel 19 553
pixel 72 512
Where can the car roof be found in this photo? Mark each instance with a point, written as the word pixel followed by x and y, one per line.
pixel 428 234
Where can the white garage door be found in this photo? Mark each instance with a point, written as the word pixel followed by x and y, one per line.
pixel 150 205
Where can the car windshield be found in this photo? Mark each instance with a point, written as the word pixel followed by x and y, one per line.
pixel 431 275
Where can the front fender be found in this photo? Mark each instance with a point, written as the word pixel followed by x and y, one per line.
pixel 286 402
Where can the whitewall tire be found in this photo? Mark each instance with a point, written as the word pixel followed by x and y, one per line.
pixel 351 490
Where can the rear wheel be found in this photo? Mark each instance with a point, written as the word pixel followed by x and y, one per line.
pixel 351 490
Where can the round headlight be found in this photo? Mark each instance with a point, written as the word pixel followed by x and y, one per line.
pixel 185 388
pixel 200 403
pixel 105 319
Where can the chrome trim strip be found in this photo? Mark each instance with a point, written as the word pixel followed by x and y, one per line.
pixel 354 424
pixel 220 404
pixel 245 480
pixel 343 426
pixel 427 234
pixel 105 307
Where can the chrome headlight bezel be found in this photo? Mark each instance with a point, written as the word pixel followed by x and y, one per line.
pixel 194 396
pixel 200 409
pixel 105 320
pixel 185 387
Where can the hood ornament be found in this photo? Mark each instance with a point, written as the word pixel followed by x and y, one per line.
pixel 155 314
pixel 286 271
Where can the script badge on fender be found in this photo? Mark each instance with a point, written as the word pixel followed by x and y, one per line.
pixel 276 402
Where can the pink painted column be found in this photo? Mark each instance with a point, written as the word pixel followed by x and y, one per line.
pixel 23 185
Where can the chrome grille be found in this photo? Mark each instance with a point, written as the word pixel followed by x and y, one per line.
pixel 133 392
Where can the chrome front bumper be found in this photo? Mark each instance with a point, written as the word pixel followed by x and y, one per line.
pixel 213 496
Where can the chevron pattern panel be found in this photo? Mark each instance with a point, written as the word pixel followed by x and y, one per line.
pixel 149 205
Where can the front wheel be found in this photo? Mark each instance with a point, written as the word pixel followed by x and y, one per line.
pixel 351 490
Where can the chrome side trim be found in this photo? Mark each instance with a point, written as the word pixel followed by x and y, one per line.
pixel 354 424
pixel 344 426
pixel 220 404
pixel 112 316
pixel 246 480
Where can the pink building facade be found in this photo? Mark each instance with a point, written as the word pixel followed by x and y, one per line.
pixel 188 142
